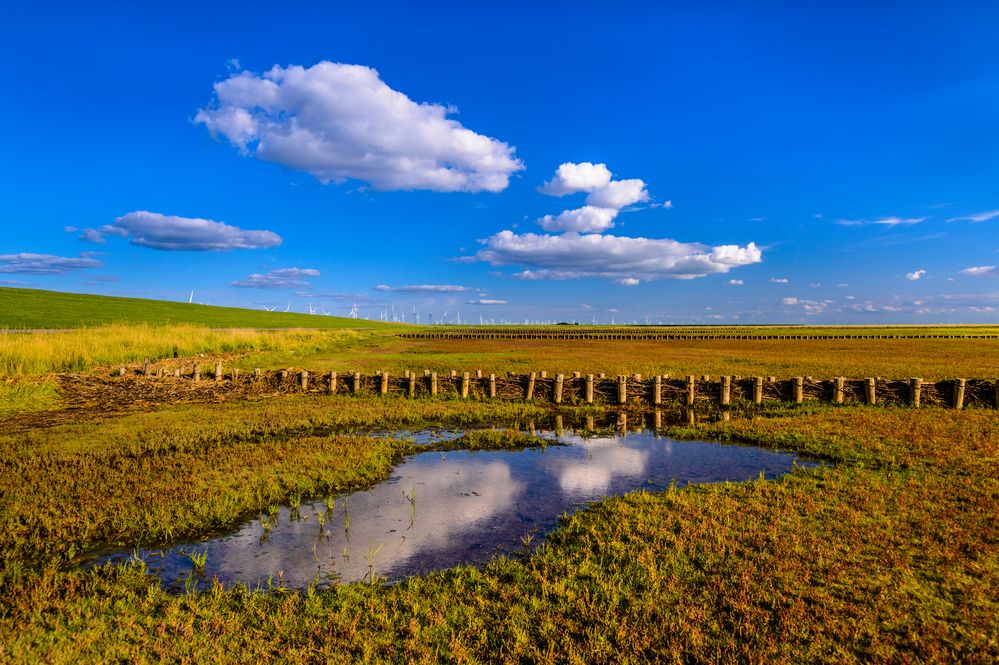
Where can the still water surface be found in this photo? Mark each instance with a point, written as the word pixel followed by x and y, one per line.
pixel 442 509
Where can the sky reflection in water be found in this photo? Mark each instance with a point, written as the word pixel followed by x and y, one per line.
pixel 439 510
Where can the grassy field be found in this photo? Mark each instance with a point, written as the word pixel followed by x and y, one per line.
pixel 46 310
pixel 889 553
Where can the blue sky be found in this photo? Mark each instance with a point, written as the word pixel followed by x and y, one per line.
pixel 785 162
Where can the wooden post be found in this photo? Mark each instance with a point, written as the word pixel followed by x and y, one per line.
pixel 658 419
pixel 303 380
pixel 478 374
pixel 433 384
pixel 757 390
pixel 838 391
pixel 283 376
pixel 622 389
pixel 725 393
pixel 411 386
pixel 577 375
pixel 176 373
pixel 492 386
pixel 235 374
pixel 601 376
pixel 121 370
pixel 333 378
pixel 959 385
pixel 870 388
pixel 559 379
pixel 657 391
pixel 383 383
pixel 464 385
pixel 544 375
pixel 355 383
pixel 530 386
pixel 196 374
pixel 691 389
pixel 915 391
pixel 256 374
pixel 799 390
pixel 589 390
pixel 559 425
pixel 218 371
pixel 146 368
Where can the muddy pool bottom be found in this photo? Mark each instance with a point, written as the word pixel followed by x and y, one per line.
pixel 442 509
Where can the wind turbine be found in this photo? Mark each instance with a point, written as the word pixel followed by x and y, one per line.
pixel 312 310
pixel 353 310
pixel 288 308
pixel 444 318
pixel 270 309
pixel 190 298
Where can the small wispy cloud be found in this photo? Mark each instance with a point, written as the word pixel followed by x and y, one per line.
pixel 890 222
pixel 486 301
pixel 779 280
pixel 735 282
pixel 914 275
pixel 981 271
pixel 281 278
pixel 27 263
pixel 425 288
pixel 977 217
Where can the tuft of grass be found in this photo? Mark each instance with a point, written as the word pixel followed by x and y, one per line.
pixel 18 397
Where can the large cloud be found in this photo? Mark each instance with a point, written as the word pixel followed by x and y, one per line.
pixel 281 278
pixel 340 121
pixel 168 232
pixel 623 259
pixel 44 264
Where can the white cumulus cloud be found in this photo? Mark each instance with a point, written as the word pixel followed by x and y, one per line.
pixel 44 264
pixel 588 219
pixel 338 121
pixel 572 255
pixel 914 275
pixel 736 282
pixel 618 194
pixel 574 178
pixel 169 232
pixel 281 278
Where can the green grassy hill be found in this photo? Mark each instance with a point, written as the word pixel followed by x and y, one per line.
pixel 31 308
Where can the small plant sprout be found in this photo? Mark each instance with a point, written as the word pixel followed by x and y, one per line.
pixel 371 562
pixel 198 559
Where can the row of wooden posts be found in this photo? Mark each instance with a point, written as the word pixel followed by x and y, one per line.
pixel 623 389
pixel 660 336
